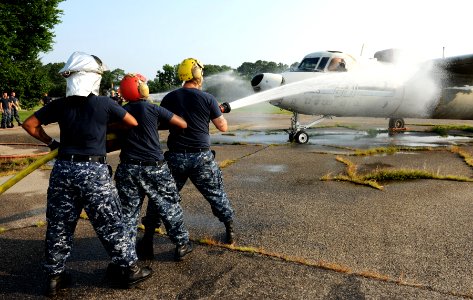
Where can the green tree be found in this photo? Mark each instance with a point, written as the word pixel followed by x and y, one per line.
pixel 294 65
pixel 165 79
pixel 248 70
pixel 168 79
pixel 215 69
pixel 111 80
pixel 57 86
pixel 26 30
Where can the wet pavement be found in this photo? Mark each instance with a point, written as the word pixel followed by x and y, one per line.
pixel 298 237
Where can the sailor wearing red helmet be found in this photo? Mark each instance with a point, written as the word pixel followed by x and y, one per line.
pixel 143 171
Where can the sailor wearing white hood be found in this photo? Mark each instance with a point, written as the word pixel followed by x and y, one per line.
pixel 80 178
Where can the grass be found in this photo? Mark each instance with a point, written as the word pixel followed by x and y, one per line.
pixel 226 163
pixel 26 113
pixel 442 130
pixel 388 150
pixel 463 154
pixel 373 179
pixel 12 166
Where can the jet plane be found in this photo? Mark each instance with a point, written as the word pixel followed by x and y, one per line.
pixel 333 83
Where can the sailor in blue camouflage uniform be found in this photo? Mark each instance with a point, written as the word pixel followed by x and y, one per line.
pixel 5 110
pixel 143 171
pixel 80 178
pixel 15 107
pixel 189 155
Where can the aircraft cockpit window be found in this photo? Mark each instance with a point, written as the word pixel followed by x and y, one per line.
pixel 323 63
pixel 308 64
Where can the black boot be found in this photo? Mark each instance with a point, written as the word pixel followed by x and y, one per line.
pixel 126 277
pixel 182 250
pixel 135 274
pixel 144 248
pixel 56 282
pixel 230 234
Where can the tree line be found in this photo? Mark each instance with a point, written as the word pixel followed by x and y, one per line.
pixel 26 30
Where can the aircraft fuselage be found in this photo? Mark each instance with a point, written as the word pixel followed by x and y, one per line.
pixel 380 89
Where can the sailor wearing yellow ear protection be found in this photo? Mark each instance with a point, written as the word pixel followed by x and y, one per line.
pixel 189 155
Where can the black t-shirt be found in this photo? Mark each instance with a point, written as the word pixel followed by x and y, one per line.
pixel 82 122
pixel 5 102
pixel 14 101
pixel 197 108
pixel 142 142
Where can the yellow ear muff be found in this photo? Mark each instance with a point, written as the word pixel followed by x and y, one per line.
pixel 143 89
pixel 196 72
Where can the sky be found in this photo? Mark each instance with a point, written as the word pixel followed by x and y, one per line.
pixel 141 36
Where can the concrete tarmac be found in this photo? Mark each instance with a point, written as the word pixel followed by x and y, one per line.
pixel 298 237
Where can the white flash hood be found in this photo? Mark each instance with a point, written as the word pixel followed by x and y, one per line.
pixel 83 73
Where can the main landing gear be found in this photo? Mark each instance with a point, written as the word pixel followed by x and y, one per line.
pixel 297 131
pixel 396 124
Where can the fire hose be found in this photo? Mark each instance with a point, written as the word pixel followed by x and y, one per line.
pixel 22 174
pixel 112 145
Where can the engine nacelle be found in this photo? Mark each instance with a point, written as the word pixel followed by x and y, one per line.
pixel 266 81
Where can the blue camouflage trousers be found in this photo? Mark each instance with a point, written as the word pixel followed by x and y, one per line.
pixel 204 172
pixel 15 115
pixel 74 186
pixel 134 182
pixel 6 115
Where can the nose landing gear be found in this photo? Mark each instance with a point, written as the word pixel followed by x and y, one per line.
pixel 297 131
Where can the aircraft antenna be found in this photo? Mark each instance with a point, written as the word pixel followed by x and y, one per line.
pixel 443 52
pixel 362 47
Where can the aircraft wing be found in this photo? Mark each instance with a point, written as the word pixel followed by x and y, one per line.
pixel 462 64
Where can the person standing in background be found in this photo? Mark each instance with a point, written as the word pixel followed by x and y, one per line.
pixel 5 108
pixel 15 107
pixel 46 99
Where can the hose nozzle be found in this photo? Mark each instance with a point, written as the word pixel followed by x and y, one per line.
pixel 225 107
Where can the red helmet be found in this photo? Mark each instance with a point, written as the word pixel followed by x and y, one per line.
pixel 133 87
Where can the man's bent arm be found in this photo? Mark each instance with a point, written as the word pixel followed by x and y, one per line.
pixel 178 121
pixel 220 123
pixel 33 126
pixel 129 120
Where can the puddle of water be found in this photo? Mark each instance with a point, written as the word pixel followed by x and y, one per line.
pixel 345 138
pixel 275 168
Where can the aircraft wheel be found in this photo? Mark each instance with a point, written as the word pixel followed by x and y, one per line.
pixel 302 137
pixel 396 123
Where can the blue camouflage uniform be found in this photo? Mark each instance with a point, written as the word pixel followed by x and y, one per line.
pixel 6 112
pixel 143 172
pixel 80 179
pixel 204 172
pixel 14 111
pixel 189 155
